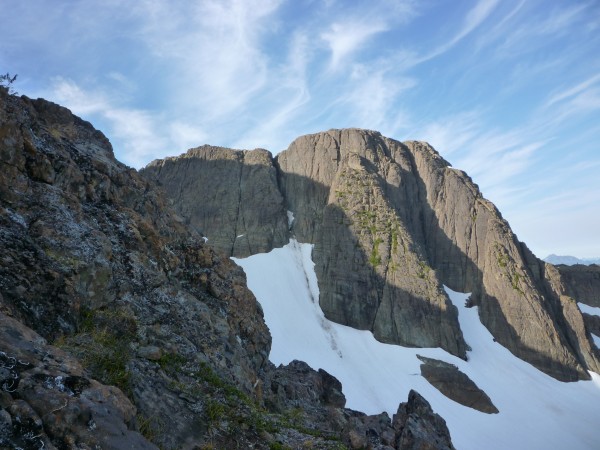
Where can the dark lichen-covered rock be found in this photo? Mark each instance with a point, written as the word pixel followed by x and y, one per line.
pixel 298 385
pixel 48 402
pixel 95 260
pixel 418 427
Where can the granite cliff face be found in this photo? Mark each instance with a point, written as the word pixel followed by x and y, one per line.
pixel 582 282
pixel 249 216
pixel 121 328
pixel 392 222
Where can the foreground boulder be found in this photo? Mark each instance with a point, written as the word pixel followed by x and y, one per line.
pixel 48 401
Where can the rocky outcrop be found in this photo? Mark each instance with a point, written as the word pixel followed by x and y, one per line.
pixel 119 326
pixel 392 223
pixel 475 251
pixel 57 404
pixel 456 385
pixel 406 222
pixel 237 203
pixel 95 261
pixel 414 426
pixel 345 191
pixel 418 427
pixel 582 283
pixel 577 326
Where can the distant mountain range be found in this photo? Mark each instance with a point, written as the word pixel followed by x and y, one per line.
pixel 570 260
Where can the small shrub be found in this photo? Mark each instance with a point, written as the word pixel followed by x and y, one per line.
pixel 6 82
pixel 215 411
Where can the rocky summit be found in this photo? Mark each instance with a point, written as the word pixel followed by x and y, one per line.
pixel 391 224
pixel 121 328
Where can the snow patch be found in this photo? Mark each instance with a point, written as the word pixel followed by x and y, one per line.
pixel 536 411
pixel 290 217
pixel 591 310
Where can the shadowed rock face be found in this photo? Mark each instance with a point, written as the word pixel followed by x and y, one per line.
pixel 237 202
pixel 414 426
pixel 391 222
pixel 582 282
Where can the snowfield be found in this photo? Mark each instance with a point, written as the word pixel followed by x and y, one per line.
pixel 536 411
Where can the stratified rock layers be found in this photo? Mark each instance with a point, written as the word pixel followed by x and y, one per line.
pixel 391 223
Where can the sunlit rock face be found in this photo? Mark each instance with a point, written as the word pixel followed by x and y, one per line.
pixel 391 222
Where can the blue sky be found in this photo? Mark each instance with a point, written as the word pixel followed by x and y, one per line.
pixel 508 91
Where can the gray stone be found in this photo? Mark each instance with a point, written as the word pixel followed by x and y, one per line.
pixel 582 283
pixel 418 427
pixel 456 385
pixel 150 352
pixel 236 201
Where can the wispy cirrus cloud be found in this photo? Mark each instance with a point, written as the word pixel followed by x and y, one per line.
pixel 359 26
pixel 574 90
pixel 524 30
pixel 492 157
pixel 141 133
pixel 372 95
pixel 218 58
pixel 288 96
pixel 345 38
pixel 474 18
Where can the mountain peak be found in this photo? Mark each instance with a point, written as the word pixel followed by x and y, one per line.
pixel 391 223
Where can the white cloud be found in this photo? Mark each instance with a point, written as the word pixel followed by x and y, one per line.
pixel 345 38
pixel 68 93
pixel 451 134
pixel 356 27
pixel 288 96
pixel 574 90
pixel 184 136
pixel 138 133
pixel 372 96
pixel 495 159
pixel 212 49
pixel 473 19
pixel 526 32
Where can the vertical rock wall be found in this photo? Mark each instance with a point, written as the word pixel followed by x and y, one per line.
pixel 230 196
